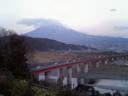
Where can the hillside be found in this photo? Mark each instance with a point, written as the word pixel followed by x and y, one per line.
pixel 43 44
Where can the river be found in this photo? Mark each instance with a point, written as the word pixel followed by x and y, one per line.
pixel 105 85
pixel 102 85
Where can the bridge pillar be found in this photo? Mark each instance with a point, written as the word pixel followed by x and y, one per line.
pixel 90 65
pixel 86 68
pixel 69 76
pixel 46 76
pixel 78 68
pixel 80 81
pixel 60 76
pixel 106 62
pixel 98 64
pixel 112 59
pixel 37 76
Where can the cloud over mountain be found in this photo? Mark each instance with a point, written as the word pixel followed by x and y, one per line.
pixel 40 22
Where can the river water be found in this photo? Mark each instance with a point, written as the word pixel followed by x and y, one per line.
pixel 102 85
pixel 105 85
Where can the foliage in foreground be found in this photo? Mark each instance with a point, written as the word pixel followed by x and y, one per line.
pixel 15 76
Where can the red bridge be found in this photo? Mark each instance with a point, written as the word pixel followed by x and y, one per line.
pixel 93 60
pixel 86 63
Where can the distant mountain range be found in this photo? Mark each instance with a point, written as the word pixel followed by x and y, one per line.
pixel 54 30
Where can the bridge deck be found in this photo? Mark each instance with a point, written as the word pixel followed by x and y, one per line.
pixel 79 61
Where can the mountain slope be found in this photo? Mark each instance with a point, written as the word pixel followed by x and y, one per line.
pixel 58 33
pixel 55 30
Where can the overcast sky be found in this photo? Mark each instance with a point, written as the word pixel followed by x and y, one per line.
pixel 97 17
